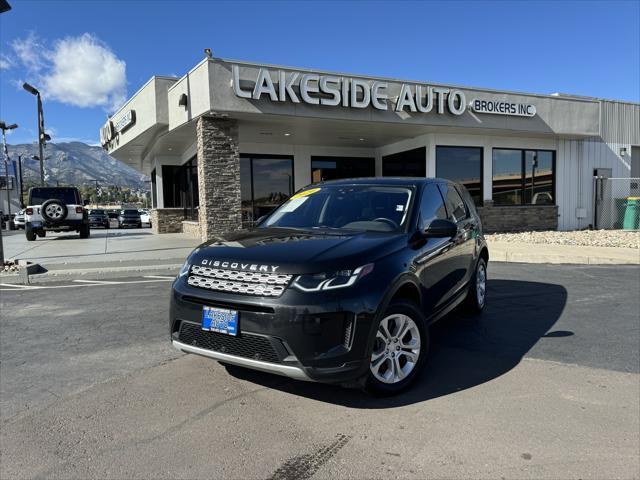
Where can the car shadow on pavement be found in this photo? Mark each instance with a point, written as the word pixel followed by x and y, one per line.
pixel 465 351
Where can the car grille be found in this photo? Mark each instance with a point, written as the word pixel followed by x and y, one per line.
pixel 245 345
pixel 235 281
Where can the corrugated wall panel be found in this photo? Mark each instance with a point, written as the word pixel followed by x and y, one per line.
pixel 620 122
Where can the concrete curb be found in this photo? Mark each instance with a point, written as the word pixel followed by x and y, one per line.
pixel 98 273
pixel 519 257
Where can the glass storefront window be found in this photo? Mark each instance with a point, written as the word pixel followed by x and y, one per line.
pixel 463 165
pixel 412 163
pixel 523 177
pixel 335 168
pixel 538 178
pixel 507 177
pixel 180 188
pixel 265 182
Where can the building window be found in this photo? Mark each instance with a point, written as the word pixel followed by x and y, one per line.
pixel 463 165
pixel 154 195
pixel 523 177
pixel 412 163
pixel 335 168
pixel 265 182
pixel 180 188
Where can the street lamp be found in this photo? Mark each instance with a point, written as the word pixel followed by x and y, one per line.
pixel 4 127
pixel 42 136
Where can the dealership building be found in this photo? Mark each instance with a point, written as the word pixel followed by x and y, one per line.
pixel 230 140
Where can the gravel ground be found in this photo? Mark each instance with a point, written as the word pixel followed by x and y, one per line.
pixel 588 238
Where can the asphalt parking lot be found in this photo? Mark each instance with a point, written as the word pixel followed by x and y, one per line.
pixel 545 385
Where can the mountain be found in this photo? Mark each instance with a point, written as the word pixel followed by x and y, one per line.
pixel 76 163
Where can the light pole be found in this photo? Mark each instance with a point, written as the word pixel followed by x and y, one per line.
pixel 4 127
pixel 42 136
pixel 21 180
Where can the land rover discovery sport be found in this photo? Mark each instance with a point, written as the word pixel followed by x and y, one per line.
pixel 339 284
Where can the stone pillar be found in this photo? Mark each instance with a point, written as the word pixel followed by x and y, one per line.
pixel 218 176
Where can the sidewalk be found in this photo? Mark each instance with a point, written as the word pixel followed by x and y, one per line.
pixel 105 253
pixel 567 254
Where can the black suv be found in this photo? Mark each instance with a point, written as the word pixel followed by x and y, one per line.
pixel 129 217
pixel 339 284
pixel 98 218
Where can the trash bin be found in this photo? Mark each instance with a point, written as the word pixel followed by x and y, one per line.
pixel 632 214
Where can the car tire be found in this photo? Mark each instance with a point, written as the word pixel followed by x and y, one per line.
pixel 56 207
pixel 391 370
pixel 85 231
pixel 30 234
pixel 477 294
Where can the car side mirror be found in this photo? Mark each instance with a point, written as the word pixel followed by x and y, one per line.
pixel 441 228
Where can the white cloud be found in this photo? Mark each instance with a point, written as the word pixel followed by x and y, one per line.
pixel 29 52
pixel 6 62
pixel 81 71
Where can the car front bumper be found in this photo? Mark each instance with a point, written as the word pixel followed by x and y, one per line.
pixel 306 336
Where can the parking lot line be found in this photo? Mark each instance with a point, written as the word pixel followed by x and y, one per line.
pixel 162 277
pixel 100 282
pixel 10 287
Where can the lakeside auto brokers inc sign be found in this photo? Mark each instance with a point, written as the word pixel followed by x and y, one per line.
pixel 110 130
pixel 330 90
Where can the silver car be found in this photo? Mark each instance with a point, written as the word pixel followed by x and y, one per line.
pixel 19 219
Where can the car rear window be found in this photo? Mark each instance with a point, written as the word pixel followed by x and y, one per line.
pixel 39 195
pixel 129 212
pixel 96 212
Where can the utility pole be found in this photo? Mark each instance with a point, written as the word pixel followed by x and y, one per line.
pixel 97 186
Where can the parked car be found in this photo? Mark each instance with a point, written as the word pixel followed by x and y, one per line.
pixel 58 209
pixel 19 220
pixel 339 284
pixel 145 218
pixel 129 217
pixel 98 218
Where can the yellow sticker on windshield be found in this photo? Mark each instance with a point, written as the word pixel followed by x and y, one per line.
pixel 305 193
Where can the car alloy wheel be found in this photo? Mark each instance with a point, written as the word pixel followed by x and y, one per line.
pixel 396 349
pixel 481 283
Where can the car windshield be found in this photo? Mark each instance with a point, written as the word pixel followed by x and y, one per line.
pixel 349 207
pixel 96 212
pixel 40 195
pixel 129 212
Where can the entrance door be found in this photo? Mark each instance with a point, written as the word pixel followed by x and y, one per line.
pixel 265 182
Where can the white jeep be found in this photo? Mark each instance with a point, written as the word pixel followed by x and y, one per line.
pixel 57 209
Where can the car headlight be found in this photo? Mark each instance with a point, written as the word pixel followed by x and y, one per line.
pixel 330 281
pixel 185 268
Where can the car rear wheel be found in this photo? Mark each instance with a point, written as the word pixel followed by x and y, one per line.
pixel 399 349
pixel 477 293
pixel 30 233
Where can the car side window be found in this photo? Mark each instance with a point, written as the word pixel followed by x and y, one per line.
pixel 431 206
pixel 455 205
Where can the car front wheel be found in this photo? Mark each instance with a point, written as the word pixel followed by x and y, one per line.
pixel 399 349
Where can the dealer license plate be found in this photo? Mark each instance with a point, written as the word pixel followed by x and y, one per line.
pixel 220 320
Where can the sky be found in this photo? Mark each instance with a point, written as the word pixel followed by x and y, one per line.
pixel 87 57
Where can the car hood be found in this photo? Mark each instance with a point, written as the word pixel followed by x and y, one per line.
pixel 284 250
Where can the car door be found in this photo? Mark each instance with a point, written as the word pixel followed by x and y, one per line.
pixel 463 243
pixel 433 260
